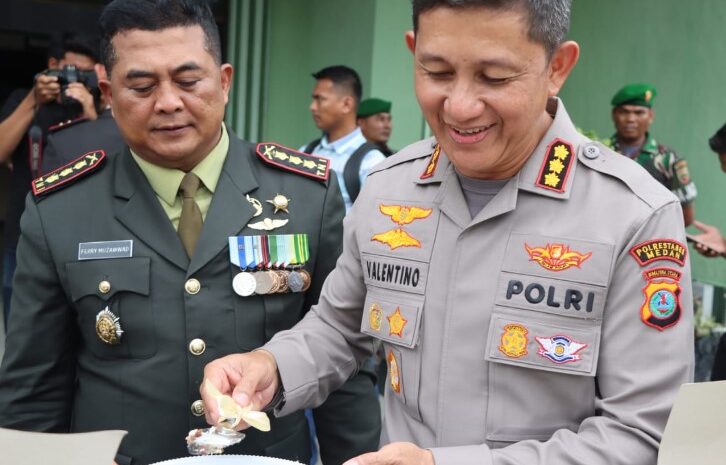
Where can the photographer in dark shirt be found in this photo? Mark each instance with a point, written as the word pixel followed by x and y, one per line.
pixel 25 119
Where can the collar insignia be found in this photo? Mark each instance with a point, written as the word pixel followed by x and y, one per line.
pixel 433 162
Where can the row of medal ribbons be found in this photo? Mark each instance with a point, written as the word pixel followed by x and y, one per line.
pixel 271 264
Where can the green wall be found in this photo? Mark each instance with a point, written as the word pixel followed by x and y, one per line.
pixel 366 35
pixel 678 46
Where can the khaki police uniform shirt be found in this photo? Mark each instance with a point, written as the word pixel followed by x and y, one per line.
pixel 555 327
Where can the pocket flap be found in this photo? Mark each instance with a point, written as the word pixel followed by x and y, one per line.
pixel 548 343
pixel 121 275
pixel 394 317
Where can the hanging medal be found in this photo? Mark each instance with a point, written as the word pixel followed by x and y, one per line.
pixel 243 283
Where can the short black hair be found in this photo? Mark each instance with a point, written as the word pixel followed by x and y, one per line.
pixel 82 44
pixel 342 77
pixel 549 20
pixel 155 15
pixel 718 141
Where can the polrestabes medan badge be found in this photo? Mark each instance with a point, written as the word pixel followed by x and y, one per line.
pixel 108 327
pixel 555 166
pixel 288 159
pixel 662 306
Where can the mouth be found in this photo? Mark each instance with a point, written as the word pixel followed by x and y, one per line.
pixel 171 129
pixel 469 135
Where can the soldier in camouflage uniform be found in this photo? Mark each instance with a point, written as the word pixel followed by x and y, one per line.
pixel 633 115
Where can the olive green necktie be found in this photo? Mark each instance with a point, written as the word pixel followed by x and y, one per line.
pixel 190 221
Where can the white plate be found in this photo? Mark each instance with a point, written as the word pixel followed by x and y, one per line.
pixel 227 460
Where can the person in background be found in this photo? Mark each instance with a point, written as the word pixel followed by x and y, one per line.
pixel 334 106
pixel 67 141
pixel 633 115
pixel 374 119
pixel 25 120
pixel 518 274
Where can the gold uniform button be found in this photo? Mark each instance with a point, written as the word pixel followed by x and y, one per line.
pixel 104 287
pixel 198 408
pixel 197 346
pixel 192 286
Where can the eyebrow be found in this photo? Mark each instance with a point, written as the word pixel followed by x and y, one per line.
pixel 138 73
pixel 498 63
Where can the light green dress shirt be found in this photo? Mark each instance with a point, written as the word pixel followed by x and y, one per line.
pixel 166 181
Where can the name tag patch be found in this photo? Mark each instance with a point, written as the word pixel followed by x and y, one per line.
pixel 104 250
pixel 395 273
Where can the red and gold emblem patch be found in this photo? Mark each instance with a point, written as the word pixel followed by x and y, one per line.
pixel 659 249
pixel 433 162
pixel 556 166
pixel 514 341
pixel 396 322
pixel 662 306
pixel 400 215
pixel 375 316
pixel 556 257
pixel 394 373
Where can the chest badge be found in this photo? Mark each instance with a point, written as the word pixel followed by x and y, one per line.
pixel 514 341
pixel 401 215
pixel 280 202
pixel 556 257
pixel 375 317
pixel 394 373
pixel 559 349
pixel 108 327
pixel 396 322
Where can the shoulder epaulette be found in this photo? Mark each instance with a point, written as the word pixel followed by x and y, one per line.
pixel 288 159
pixel 61 177
pixel 67 124
pixel 419 149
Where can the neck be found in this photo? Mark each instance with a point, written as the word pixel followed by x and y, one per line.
pixel 341 130
pixel 637 142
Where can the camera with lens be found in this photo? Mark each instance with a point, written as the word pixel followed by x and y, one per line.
pixel 69 74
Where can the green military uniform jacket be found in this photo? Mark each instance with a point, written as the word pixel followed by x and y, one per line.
pixel 58 375
pixel 664 164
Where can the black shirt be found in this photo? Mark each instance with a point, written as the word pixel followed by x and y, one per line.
pixel 46 116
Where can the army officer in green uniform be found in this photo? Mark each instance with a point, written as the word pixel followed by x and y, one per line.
pixel 125 290
pixel 633 114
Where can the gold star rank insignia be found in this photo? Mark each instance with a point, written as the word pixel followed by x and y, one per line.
pixel 64 175
pixel 555 166
pixel 396 322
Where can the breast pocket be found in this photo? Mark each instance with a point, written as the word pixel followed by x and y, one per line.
pixel 395 319
pixel 543 344
pixel 122 286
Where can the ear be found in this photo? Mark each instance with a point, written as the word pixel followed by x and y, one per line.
pixel 226 72
pixel 561 64
pixel 105 86
pixel 652 115
pixel 100 72
pixel 410 41
pixel 348 104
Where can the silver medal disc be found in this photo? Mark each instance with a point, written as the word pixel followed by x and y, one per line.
pixel 244 284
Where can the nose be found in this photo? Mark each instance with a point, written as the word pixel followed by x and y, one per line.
pixel 463 103
pixel 167 99
pixel 313 106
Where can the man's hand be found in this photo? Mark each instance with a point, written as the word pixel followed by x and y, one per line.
pixel 79 92
pixel 396 453
pixel 710 242
pixel 247 378
pixel 46 89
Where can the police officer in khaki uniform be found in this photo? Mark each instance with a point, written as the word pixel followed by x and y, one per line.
pixel 531 287
pixel 632 115
pixel 126 287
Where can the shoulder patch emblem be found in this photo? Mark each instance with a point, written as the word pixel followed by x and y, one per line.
pixel 659 249
pixel 555 166
pixel 433 162
pixel 662 306
pixel 67 124
pixel 62 176
pixel 288 159
pixel 681 169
